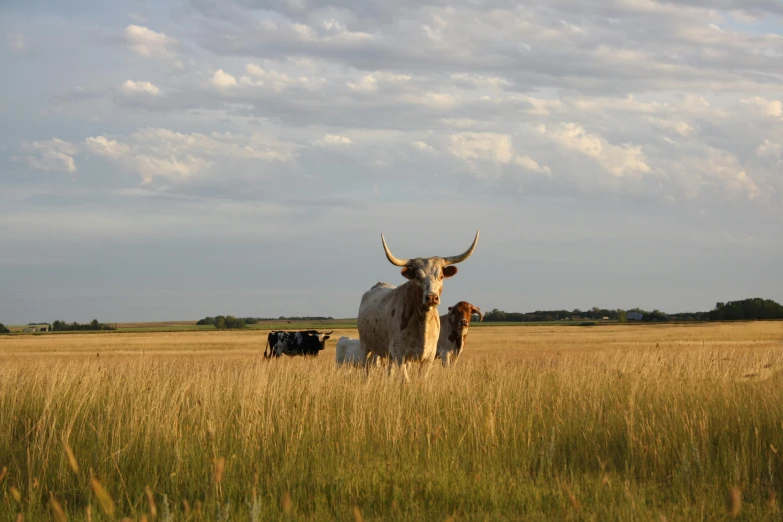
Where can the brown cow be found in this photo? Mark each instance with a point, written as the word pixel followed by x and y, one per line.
pixel 454 330
pixel 402 322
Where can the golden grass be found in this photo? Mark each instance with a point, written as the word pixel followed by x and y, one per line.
pixel 535 423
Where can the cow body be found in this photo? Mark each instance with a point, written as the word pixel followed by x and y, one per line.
pixel 393 323
pixel 307 343
pixel 401 323
pixel 454 331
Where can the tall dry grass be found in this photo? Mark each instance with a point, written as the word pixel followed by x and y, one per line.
pixel 533 423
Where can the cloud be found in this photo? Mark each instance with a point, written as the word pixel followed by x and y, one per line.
pixel 223 80
pixel 766 107
pixel 334 140
pixel 276 80
pixel 157 153
pixel 368 83
pixel 676 126
pixel 769 148
pixel 616 160
pixel 422 145
pixel 472 147
pixel 145 88
pixel 17 42
pixel 147 43
pixel 51 155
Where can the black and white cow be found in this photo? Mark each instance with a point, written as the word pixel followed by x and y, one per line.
pixel 307 342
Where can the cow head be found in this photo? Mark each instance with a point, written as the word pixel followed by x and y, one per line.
pixel 459 319
pixel 429 272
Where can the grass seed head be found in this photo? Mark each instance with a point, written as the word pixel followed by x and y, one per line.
pixel 71 457
pixel 104 499
pixel 733 501
pixel 286 504
pixel 151 502
pixel 57 510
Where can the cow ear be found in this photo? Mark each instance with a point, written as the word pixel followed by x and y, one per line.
pixel 449 271
pixel 326 337
pixel 407 272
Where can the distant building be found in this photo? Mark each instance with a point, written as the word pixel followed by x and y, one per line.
pixel 34 328
pixel 634 316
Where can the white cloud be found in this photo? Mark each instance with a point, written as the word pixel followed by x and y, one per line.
pixel 617 160
pixel 481 81
pixel 769 148
pixel 223 80
pixel 432 99
pixel 334 140
pixel 368 83
pixel 131 87
pixel 101 146
pixel 162 153
pixel 17 42
pixel 487 146
pixel 677 126
pixel 147 43
pixel 51 155
pixel 276 80
pixel 531 164
pixel 766 107
pixel 422 145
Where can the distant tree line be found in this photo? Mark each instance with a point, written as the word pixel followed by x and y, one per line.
pixel 62 326
pixel 3 329
pixel 222 322
pixel 542 316
pixel 745 310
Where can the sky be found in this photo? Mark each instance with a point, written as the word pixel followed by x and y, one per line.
pixel 171 160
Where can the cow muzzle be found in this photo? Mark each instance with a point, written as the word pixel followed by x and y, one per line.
pixel 431 299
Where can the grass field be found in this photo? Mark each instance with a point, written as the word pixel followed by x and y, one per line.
pixel 672 422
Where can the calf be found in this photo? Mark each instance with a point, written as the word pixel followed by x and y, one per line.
pixel 307 343
pixel 349 351
pixel 454 330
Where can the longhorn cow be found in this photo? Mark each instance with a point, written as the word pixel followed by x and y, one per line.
pixel 402 322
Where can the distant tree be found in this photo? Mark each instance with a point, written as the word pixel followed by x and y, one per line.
pixel 95 325
pixel 220 322
pixel 621 316
pixel 233 322
pixel 3 329
pixel 207 321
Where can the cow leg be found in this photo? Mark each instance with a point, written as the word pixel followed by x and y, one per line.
pixel 444 359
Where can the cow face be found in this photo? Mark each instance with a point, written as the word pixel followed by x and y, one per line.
pixel 459 319
pixel 429 274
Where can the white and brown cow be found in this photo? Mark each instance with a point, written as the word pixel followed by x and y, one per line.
pixel 402 322
pixel 454 330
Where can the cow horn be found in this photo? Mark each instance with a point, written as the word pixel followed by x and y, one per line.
pixel 453 260
pixel 477 310
pixel 393 260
